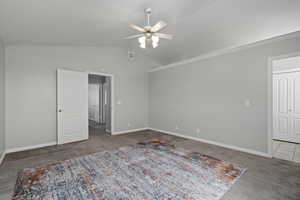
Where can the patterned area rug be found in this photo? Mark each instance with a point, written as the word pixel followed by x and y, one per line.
pixel 146 171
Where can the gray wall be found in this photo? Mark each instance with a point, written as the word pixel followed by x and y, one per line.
pixel 2 136
pixel 211 95
pixel 31 88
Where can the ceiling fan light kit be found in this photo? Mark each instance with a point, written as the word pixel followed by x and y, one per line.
pixel 149 37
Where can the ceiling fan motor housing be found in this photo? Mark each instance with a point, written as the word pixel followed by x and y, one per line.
pixel 148 10
pixel 148 35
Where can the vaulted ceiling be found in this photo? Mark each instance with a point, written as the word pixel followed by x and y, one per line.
pixel 198 26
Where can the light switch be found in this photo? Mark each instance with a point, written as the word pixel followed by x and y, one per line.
pixel 119 102
pixel 247 103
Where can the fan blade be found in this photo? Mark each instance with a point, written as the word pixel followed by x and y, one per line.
pixel 133 36
pixel 164 36
pixel 157 27
pixel 137 28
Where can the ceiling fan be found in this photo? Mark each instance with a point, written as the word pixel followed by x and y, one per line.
pixel 149 36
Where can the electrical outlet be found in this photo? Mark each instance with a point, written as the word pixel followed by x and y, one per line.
pixel 129 125
pixel 197 130
pixel 176 127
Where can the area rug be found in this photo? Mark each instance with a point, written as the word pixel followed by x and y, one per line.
pixel 146 171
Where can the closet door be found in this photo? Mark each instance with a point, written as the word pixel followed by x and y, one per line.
pixel 295 106
pixel 281 110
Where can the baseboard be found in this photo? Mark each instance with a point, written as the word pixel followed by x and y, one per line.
pixel 12 150
pixel 130 131
pixel 215 143
pixel 2 157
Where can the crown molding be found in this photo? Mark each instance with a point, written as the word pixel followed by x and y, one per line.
pixel 227 50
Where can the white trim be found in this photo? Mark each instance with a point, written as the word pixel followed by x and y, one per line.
pixel 227 50
pixel 286 71
pixel 215 143
pixel 2 157
pixel 112 100
pixel 270 106
pixel 270 96
pixel 17 149
pixel 130 131
pixel 58 118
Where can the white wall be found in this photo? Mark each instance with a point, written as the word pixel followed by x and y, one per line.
pixel 2 136
pixel 211 94
pixel 31 88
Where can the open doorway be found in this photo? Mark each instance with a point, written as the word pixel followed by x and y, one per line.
pixel 83 111
pixel 99 104
pixel 286 108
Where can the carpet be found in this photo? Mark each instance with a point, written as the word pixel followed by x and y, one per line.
pixel 97 125
pixel 146 171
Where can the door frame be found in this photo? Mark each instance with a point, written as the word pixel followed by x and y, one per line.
pixel 270 96
pixel 287 71
pixel 112 107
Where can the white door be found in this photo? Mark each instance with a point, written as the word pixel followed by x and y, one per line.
pixel 72 106
pixel 286 111
pixel 295 106
pixel 280 101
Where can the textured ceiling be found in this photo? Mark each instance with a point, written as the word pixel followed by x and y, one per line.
pixel 198 26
